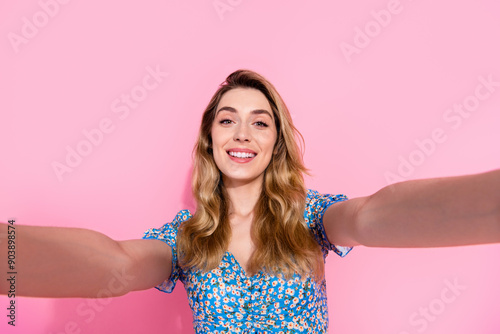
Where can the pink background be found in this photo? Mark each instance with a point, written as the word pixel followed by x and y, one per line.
pixel 360 113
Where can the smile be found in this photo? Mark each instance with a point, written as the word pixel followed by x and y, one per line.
pixel 243 155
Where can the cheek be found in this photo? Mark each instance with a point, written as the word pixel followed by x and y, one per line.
pixel 217 158
pixel 218 142
pixel 216 138
pixel 269 141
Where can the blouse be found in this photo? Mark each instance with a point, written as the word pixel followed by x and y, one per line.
pixel 226 300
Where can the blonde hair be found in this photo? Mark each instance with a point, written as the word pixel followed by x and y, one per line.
pixel 283 242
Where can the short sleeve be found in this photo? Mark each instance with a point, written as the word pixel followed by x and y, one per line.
pixel 168 234
pixel 316 205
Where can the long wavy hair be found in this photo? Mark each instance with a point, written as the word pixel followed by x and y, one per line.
pixel 283 242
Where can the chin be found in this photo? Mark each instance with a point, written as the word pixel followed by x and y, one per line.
pixel 234 179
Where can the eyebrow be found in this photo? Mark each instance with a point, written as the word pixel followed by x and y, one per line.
pixel 255 112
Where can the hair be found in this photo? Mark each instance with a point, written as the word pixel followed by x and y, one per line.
pixel 283 242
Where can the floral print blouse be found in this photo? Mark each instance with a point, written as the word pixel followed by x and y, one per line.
pixel 226 300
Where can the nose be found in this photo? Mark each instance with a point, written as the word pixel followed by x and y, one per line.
pixel 242 133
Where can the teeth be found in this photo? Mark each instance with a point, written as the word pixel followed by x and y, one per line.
pixel 241 154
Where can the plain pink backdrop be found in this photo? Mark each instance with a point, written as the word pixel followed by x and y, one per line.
pixel 361 111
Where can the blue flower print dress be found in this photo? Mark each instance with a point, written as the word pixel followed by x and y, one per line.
pixel 226 300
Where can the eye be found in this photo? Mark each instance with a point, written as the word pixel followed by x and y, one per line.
pixel 225 121
pixel 261 124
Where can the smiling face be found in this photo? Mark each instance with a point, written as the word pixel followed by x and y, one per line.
pixel 243 136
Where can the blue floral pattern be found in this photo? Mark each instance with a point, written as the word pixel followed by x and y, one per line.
pixel 226 300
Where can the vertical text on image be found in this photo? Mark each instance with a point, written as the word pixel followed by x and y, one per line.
pixel 11 271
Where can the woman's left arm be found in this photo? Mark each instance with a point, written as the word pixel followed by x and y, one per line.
pixel 440 212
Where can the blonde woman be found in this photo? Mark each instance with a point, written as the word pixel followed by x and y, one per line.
pixel 251 257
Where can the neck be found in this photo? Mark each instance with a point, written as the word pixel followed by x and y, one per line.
pixel 243 196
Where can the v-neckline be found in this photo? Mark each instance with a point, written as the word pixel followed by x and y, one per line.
pixel 243 271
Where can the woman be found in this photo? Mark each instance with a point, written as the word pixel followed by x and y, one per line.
pixel 252 255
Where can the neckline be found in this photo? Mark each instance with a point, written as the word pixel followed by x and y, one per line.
pixel 241 269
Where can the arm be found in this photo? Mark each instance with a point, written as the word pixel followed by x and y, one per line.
pixel 73 262
pixel 440 212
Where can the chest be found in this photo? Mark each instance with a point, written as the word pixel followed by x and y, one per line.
pixel 226 298
pixel 241 245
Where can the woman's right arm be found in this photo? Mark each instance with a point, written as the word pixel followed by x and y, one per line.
pixel 75 262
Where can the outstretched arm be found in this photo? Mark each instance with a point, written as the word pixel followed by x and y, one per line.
pixel 440 212
pixel 74 262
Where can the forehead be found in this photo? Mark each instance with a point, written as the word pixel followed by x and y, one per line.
pixel 244 100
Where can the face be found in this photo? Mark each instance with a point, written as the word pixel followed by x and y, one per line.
pixel 243 136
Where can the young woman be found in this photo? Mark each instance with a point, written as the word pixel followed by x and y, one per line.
pixel 252 255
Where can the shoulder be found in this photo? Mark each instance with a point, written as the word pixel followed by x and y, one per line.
pixel 182 216
pixel 317 202
pixel 170 229
pixel 316 205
